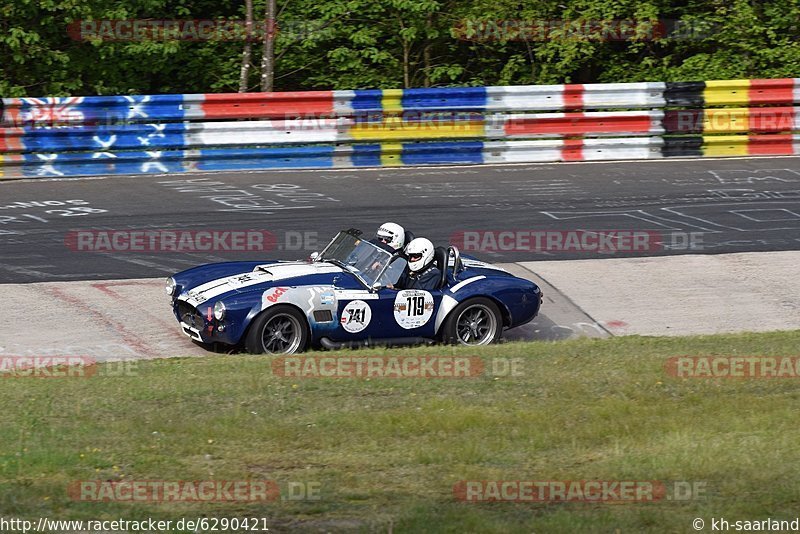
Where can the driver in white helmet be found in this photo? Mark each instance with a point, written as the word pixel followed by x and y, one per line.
pixel 422 271
pixel 390 237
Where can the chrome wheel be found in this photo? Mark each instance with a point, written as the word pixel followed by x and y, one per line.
pixel 281 334
pixel 476 325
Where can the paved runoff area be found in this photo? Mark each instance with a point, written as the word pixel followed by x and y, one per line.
pixel 668 295
pixel 683 295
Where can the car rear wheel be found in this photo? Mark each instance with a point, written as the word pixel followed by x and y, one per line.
pixel 474 322
pixel 279 330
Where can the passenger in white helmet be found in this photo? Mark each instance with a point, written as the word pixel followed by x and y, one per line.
pixel 422 270
pixel 390 237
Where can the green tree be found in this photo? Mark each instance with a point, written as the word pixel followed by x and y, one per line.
pixel 350 44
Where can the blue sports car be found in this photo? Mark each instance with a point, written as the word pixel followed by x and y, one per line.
pixel 344 297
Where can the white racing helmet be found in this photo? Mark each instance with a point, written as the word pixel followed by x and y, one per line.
pixel 419 253
pixel 392 234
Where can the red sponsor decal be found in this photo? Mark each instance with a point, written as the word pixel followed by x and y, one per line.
pixel 277 293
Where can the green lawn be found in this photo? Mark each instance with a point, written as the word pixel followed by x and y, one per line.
pixel 387 452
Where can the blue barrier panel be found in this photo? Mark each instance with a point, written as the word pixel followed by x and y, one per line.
pixel 366 155
pixel 367 100
pixel 175 161
pixel 94 109
pixel 464 98
pixel 107 138
pixel 437 153
pixel 99 163
pixel 265 158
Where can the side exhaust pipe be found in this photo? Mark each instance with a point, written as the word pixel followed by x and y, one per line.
pixel 334 345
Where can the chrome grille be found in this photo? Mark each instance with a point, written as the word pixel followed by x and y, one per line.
pixel 188 314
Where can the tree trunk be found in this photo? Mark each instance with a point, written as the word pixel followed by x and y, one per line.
pixel 268 56
pixel 406 66
pixel 245 73
pixel 427 59
pixel 426 54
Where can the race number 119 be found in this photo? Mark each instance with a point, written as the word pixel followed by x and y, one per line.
pixel 416 306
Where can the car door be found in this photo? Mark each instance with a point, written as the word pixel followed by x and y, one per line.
pixel 357 314
pixel 407 312
pixel 385 314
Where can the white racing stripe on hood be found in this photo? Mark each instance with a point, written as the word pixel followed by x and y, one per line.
pixel 281 271
pixel 465 282
pixel 259 275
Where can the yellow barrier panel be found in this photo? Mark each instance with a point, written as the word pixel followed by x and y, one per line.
pixel 392 100
pixel 725 145
pixel 1 165
pixel 390 154
pixel 393 128
pixel 727 92
pixel 726 120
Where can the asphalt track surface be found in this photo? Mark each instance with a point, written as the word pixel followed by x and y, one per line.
pixel 688 207
pixel 691 206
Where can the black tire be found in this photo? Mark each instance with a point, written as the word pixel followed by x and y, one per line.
pixel 474 319
pixel 279 330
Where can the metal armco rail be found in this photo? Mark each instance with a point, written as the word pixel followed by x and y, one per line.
pixel 100 135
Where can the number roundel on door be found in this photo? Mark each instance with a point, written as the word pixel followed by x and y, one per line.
pixel 356 316
pixel 413 308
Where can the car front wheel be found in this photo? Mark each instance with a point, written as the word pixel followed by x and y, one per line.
pixel 279 330
pixel 473 322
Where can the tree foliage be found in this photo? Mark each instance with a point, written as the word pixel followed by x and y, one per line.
pixel 350 44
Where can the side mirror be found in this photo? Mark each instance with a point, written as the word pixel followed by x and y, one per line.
pixel 314 256
pixel 376 287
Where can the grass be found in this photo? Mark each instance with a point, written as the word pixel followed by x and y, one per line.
pixel 387 452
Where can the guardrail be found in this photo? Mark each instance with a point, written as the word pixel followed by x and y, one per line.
pixel 98 135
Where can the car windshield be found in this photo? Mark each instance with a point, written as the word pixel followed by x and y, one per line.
pixel 361 257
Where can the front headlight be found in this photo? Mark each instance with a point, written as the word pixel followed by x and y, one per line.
pixel 219 310
pixel 170 287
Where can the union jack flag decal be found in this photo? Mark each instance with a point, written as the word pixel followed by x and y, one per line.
pixel 52 111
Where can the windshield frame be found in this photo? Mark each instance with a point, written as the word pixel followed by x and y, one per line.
pixel 376 254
